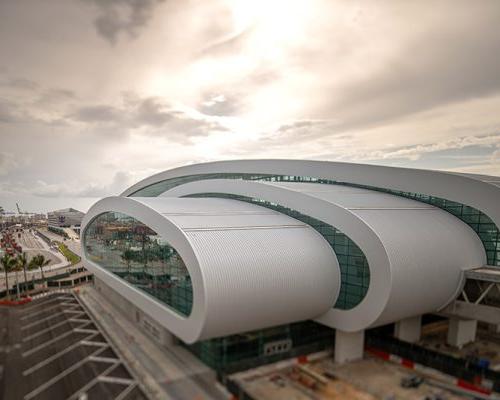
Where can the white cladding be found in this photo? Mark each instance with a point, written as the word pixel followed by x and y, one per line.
pixel 251 267
pixel 479 191
pixel 416 252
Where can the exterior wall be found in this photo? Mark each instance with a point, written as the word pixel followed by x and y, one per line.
pixel 161 335
pixel 354 268
pixel 405 243
pixel 65 218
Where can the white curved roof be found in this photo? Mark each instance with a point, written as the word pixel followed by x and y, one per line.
pixel 407 244
pixel 479 191
pixel 250 267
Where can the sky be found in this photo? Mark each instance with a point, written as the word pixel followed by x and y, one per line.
pixel 98 94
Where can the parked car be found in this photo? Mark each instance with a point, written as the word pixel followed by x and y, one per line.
pixel 411 381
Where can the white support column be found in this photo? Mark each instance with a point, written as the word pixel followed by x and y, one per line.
pixel 409 329
pixel 349 346
pixel 461 331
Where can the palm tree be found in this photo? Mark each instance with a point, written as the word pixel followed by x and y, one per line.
pixel 8 264
pixel 39 261
pixel 16 269
pixel 128 256
pixel 22 262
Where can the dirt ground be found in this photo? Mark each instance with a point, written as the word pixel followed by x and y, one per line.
pixel 367 379
pixel 486 345
pixel 382 379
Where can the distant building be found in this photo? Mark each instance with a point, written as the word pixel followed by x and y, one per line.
pixel 65 218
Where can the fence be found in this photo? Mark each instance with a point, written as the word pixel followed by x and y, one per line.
pixel 468 370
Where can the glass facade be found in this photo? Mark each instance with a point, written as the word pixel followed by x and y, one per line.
pixel 248 350
pixel 137 254
pixel 354 269
pixel 485 228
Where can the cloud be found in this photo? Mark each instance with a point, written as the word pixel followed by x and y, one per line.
pixel 98 113
pixel 417 151
pixel 150 116
pixel 10 112
pixel 456 59
pixel 153 112
pixel 20 83
pixel 58 94
pixel 122 16
pixel 217 79
pixel 7 163
pixel 221 104
pixel 121 180
pixel 228 44
pixel 495 156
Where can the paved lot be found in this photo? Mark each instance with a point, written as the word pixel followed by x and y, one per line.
pixel 28 241
pixel 52 349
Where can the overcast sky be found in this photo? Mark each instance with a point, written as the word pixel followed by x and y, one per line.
pixel 97 94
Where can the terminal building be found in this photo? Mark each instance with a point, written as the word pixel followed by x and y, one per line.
pixel 65 218
pixel 248 262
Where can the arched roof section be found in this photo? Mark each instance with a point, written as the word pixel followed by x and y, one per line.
pixel 412 248
pixel 479 191
pixel 251 268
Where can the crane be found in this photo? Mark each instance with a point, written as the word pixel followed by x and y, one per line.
pixel 21 212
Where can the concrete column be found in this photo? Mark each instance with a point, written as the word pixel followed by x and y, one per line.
pixel 408 329
pixel 461 331
pixel 349 346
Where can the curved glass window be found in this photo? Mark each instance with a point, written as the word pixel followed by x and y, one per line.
pixel 137 254
pixel 354 269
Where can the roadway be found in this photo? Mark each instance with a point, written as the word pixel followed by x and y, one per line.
pixel 32 244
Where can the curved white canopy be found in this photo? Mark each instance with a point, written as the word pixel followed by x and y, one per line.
pixel 250 267
pixel 416 252
pixel 479 191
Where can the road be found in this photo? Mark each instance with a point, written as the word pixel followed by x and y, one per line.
pixel 33 245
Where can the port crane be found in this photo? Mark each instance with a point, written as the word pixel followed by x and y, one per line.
pixel 21 212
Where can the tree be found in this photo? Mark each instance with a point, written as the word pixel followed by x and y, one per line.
pixel 128 256
pixel 22 262
pixel 39 261
pixel 8 264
